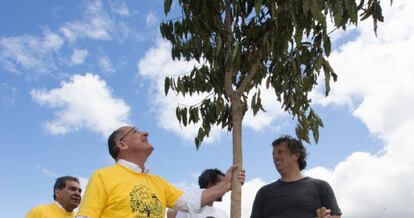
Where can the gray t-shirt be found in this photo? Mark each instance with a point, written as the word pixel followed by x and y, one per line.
pixel 298 199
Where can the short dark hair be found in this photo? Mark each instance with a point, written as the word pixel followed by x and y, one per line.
pixel 61 183
pixel 295 147
pixel 112 141
pixel 209 177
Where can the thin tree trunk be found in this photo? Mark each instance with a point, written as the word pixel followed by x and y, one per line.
pixel 237 117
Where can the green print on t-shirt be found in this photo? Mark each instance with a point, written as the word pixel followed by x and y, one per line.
pixel 144 203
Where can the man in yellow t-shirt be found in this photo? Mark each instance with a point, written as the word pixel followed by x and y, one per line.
pixel 66 193
pixel 127 190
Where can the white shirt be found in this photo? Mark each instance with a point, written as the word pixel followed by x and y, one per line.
pixel 206 211
pixel 189 200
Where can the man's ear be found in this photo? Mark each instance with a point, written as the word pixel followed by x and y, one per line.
pixel 122 146
pixel 296 156
pixel 57 193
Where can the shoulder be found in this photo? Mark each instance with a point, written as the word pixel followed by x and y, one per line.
pixel 317 181
pixel 269 186
pixel 264 190
pixel 36 210
pixel 107 171
pixel 39 210
pixel 115 167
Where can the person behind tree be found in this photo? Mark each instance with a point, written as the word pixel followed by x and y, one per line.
pixel 207 179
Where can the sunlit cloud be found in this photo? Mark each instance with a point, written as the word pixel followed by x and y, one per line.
pixel 83 102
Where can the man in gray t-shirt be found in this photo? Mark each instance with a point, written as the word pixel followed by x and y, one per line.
pixel 293 195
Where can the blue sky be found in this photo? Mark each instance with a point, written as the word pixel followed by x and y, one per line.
pixel 72 72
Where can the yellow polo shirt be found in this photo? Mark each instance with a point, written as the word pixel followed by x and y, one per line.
pixel 49 211
pixel 118 191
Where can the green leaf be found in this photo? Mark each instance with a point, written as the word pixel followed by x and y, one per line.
pixel 306 7
pixel 327 45
pixel 319 62
pixel 316 11
pixel 166 85
pixel 327 71
pixel 219 44
pixel 315 131
pixel 184 116
pixel 178 114
pixel 167 6
pixel 235 51
pixel 351 8
pixel 258 6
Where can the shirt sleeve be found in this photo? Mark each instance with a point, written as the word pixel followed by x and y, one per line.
pixel 189 201
pixel 257 210
pixel 93 201
pixel 328 199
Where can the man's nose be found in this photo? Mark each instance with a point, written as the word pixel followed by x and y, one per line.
pixel 78 191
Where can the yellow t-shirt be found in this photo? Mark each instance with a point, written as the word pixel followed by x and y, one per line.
pixel 49 211
pixel 117 191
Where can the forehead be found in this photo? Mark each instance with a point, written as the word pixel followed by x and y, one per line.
pixel 71 183
pixel 125 129
pixel 281 146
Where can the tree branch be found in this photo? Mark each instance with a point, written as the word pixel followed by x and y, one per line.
pixel 252 73
pixel 228 75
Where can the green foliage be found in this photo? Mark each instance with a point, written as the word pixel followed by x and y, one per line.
pixel 284 43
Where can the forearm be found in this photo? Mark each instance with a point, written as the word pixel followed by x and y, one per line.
pixel 215 192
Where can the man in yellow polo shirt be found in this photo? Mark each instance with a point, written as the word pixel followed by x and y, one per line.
pixel 66 193
pixel 127 190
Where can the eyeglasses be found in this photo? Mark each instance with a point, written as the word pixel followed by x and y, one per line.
pixel 126 134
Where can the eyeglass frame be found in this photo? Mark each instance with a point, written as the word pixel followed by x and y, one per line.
pixel 126 134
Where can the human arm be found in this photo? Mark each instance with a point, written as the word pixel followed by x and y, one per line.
pixel 257 209
pixel 330 208
pixel 194 200
pixel 211 194
pixel 93 201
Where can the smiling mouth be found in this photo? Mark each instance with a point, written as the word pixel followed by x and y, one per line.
pixel 76 198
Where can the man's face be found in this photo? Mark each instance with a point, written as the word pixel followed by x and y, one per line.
pixel 136 140
pixel 283 158
pixel 69 197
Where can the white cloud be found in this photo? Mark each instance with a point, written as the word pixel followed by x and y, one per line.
pixel 79 56
pixel 30 52
pixel 83 102
pixel 151 19
pixel 106 65
pixel 7 94
pixel 96 24
pixel 119 8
